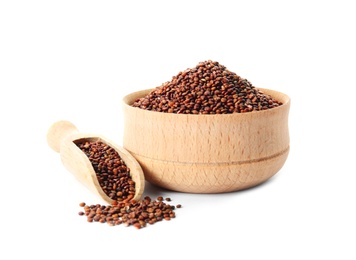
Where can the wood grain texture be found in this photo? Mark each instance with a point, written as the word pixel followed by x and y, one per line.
pixel 207 153
pixel 63 137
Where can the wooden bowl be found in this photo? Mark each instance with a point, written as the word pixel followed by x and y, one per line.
pixel 207 153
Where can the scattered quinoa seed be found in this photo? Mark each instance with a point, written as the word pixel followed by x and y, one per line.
pixel 130 213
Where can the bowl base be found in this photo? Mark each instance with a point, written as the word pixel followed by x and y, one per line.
pixel 210 178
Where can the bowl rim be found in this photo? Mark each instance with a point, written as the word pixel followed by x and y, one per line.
pixel 286 104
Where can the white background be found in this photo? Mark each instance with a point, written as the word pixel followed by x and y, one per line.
pixel 75 60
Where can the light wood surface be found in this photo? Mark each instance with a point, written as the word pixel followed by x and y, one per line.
pixel 62 137
pixel 207 153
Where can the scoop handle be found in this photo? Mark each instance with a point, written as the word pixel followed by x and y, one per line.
pixel 59 131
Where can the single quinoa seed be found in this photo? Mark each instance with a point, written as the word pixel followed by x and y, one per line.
pixel 111 171
pixel 208 88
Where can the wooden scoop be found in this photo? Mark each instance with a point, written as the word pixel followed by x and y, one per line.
pixel 63 137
